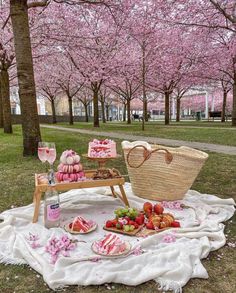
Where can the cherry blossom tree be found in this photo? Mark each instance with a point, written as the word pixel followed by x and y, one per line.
pixel 85 96
pixel 47 83
pixel 6 65
pixel 105 101
pixel 6 61
pixel 212 15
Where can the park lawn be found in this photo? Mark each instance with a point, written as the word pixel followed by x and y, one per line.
pixel 207 132
pixel 17 184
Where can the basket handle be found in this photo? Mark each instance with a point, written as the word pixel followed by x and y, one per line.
pixel 147 154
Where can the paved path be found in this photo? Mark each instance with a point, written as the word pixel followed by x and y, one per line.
pixel 223 149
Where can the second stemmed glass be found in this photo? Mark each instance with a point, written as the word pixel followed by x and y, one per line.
pixel 51 153
pixel 42 147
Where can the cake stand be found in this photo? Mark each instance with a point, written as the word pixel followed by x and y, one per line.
pixel 102 171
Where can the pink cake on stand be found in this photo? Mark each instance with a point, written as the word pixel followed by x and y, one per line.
pixel 102 149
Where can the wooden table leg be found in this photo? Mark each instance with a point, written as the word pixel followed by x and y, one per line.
pixel 113 191
pixel 125 200
pixel 37 199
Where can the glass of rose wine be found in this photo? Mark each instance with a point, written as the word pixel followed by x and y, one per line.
pixel 42 147
pixel 51 153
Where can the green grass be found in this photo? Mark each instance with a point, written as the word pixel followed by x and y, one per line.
pixel 208 132
pixel 218 176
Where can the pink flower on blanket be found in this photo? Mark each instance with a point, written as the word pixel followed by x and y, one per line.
pixel 60 246
pixel 173 205
pixel 33 240
pixel 95 259
pixel 169 238
pixel 137 251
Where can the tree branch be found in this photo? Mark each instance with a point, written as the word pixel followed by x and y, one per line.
pixel 41 3
pixel 231 18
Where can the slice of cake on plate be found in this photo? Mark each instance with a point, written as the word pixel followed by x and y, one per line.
pixel 81 225
pixel 111 244
pixel 102 148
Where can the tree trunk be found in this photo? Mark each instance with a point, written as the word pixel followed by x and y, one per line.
pixel 234 102
pixel 54 118
pixel 6 104
pixel 124 112
pixel 103 111
pixel 224 106
pixel 128 112
pixel 178 110
pixel 107 112
pixel 167 108
pixel 95 106
pixel 71 118
pixel 25 74
pixel 86 112
pixel 145 110
pixel 1 108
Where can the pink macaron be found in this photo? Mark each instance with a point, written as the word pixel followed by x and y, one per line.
pixel 69 160
pixel 66 177
pixel 65 168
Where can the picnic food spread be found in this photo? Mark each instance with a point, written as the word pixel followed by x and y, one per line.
pixel 152 218
pixel 130 221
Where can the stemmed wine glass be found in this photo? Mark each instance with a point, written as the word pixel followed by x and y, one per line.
pixel 47 153
pixel 42 146
pixel 51 153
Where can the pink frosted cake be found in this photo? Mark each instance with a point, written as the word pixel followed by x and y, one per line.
pixel 111 244
pixel 102 149
pixel 79 224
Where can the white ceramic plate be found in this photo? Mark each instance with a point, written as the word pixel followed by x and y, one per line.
pixel 127 250
pixel 67 228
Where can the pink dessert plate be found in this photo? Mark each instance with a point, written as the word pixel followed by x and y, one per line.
pixel 127 250
pixel 67 229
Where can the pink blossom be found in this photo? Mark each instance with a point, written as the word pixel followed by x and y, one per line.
pixel 95 259
pixel 35 245
pixel 168 238
pixel 57 246
pixel 174 205
pixel 137 251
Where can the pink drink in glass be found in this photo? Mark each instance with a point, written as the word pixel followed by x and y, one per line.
pixel 51 155
pixel 42 154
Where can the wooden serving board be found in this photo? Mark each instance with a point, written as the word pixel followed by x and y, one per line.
pixel 147 232
pixel 131 233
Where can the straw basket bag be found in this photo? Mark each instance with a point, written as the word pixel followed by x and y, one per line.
pixel 161 173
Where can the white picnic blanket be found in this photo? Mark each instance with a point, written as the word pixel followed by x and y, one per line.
pixel 170 264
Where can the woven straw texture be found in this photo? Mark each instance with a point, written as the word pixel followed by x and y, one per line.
pixel 158 179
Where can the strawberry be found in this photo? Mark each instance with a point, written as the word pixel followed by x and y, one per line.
pixel 70 225
pixel 150 226
pixel 158 209
pixel 139 220
pixel 136 225
pixel 114 222
pixel 175 224
pixel 109 224
pixel 131 222
pixel 148 214
pixel 141 215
